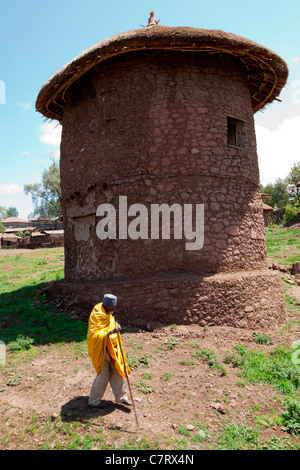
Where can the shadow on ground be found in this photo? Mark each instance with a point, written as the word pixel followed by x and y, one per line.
pixel 78 409
pixel 27 312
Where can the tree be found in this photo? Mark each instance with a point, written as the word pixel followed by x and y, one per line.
pixel 278 195
pixel 12 212
pixel 293 189
pixel 289 212
pixel 2 212
pixel 294 175
pixel 46 196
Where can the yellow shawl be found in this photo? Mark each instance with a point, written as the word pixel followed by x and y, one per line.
pixel 100 322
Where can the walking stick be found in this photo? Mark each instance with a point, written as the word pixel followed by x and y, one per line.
pixel 136 419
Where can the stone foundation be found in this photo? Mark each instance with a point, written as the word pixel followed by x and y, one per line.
pixel 252 300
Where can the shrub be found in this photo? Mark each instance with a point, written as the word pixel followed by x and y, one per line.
pixel 20 343
pixel 291 415
pixel 261 338
pixel 172 342
pixel 135 361
pixel 208 356
pixel 144 387
pixel 289 212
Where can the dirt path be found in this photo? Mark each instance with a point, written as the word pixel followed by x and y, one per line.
pixel 295 292
pixel 14 251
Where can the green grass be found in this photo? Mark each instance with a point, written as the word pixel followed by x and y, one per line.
pixel 143 386
pixel 276 369
pixel 142 444
pixel 166 376
pixel 261 338
pixel 29 323
pixel 24 269
pixel 39 321
pixel 283 245
pixel 172 342
pixel 20 343
pixel 291 415
pixel 136 361
pixel 24 313
pixel 242 437
pixel 238 437
pixel 183 430
pixel 209 356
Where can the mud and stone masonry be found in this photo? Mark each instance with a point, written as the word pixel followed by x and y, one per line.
pixel 164 115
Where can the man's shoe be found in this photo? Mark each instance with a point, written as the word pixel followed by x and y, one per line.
pixel 125 401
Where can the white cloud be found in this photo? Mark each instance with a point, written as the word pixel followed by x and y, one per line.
pixel 56 153
pixel 25 105
pixel 294 61
pixel 10 188
pixel 278 150
pixel 26 153
pixel 51 134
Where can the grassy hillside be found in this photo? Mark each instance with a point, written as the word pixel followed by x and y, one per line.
pixel 283 245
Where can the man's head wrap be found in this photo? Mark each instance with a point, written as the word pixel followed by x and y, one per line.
pixel 109 300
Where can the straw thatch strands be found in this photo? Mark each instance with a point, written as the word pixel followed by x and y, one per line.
pixel 267 72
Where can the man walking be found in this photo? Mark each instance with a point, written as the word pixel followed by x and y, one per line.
pixel 105 350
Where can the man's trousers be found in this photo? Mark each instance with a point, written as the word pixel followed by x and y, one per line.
pixel 107 375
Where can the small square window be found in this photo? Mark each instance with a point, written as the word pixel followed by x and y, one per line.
pixel 235 132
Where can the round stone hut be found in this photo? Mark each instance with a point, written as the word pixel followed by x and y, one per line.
pixel 160 180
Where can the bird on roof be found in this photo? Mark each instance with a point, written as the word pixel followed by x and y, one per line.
pixel 151 21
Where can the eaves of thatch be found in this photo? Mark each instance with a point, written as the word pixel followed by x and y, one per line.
pixel 266 72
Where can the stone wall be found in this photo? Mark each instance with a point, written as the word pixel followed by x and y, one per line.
pixel 251 300
pixel 153 127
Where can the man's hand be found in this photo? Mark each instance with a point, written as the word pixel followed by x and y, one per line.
pixel 115 330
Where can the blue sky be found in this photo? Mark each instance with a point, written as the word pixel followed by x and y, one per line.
pixel 37 38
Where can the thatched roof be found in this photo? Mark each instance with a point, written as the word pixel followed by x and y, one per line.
pixel 267 72
pixel 13 220
pixel 267 208
pixel 37 234
pixel 10 236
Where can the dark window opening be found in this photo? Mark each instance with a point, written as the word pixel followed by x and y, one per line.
pixel 235 132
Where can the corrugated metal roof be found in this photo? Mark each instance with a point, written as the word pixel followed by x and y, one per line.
pixel 54 232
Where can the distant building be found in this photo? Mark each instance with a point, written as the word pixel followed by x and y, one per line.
pixel 39 233
pixel 15 222
pixel 47 224
pixel 9 240
pixel 267 211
